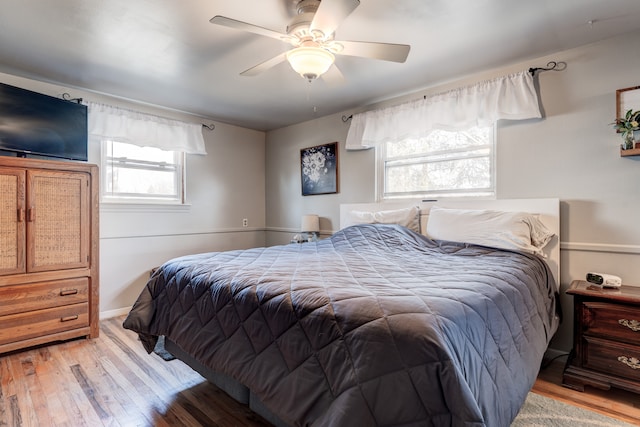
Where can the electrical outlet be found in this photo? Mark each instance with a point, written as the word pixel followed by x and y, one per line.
pixel 245 222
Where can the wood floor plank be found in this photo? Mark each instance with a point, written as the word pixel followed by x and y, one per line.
pixel 178 374
pixel 109 400
pixel 119 402
pixel 141 410
pixel 20 402
pixel 141 361
pixel 38 398
pixel 79 409
pixel 90 392
pixel 16 414
pixel 8 389
pixel 145 380
pixel 49 378
pixel 4 420
pixel 148 407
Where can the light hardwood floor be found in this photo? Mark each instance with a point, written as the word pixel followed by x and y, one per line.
pixel 112 381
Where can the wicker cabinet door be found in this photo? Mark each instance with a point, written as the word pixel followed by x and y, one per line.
pixel 12 221
pixel 57 220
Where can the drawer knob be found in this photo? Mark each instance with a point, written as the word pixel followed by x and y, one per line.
pixel 75 317
pixel 631 362
pixel 67 292
pixel 634 325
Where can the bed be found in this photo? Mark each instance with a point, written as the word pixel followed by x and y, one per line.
pixel 377 325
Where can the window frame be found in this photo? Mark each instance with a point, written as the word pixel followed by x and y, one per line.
pixel 140 198
pixel 488 193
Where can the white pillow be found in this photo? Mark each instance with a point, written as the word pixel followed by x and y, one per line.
pixel 408 217
pixel 497 229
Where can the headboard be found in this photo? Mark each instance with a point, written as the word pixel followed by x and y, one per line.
pixel 547 209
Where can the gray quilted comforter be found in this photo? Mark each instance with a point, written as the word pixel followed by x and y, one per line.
pixel 375 326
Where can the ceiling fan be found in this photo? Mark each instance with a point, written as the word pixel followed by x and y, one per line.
pixel 311 33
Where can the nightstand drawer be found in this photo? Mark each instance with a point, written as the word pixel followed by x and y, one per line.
pixel 612 358
pixel 24 326
pixel 611 321
pixel 37 296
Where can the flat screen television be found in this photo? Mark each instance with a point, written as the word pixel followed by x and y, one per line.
pixel 32 123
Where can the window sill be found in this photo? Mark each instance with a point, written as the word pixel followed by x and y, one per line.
pixel 143 207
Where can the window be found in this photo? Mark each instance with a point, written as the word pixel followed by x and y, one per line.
pixel 141 174
pixel 444 163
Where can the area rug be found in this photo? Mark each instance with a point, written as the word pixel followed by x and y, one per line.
pixel 540 411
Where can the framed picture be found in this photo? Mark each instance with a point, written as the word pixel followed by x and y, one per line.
pixel 319 169
pixel 627 99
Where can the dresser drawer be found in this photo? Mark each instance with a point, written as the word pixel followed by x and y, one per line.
pixel 23 326
pixel 612 321
pixel 612 358
pixel 36 296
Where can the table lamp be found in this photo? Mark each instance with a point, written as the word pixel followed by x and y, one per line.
pixel 310 227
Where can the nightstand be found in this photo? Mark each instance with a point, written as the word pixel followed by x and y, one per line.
pixel 606 338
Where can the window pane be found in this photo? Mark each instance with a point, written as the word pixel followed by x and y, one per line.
pixel 133 152
pixel 443 163
pixel 141 182
pixel 141 173
pixel 440 140
pixel 461 174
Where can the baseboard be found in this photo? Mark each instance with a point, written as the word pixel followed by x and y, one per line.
pixel 114 313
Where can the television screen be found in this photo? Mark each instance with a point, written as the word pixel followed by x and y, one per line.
pixel 32 123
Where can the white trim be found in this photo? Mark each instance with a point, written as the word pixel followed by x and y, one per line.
pixel 600 247
pixel 198 233
pixel 114 313
pixel 285 230
pixel 293 231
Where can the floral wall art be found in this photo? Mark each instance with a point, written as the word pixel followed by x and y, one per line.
pixel 319 169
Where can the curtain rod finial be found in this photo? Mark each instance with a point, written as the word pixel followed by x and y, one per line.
pixel 551 65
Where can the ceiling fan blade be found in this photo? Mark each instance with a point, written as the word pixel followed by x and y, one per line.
pixel 264 66
pixel 331 13
pixel 384 51
pixel 239 25
pixel 333 76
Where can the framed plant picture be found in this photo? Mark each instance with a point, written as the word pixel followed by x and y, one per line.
pixel 319 169
pixel 627 99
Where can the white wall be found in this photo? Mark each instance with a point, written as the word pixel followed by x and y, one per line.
pixel 222 188
pixel 572 154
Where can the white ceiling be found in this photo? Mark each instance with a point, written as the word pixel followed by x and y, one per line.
pixel 165 52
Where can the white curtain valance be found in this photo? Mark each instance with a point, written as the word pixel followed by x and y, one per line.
pixel 144 130
pixel 511 97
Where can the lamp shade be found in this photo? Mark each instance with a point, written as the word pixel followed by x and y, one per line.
pixel 310 224
pixel 310 62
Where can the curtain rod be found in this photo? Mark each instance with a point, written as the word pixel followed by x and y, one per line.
pixel 551 65
pixel 67 97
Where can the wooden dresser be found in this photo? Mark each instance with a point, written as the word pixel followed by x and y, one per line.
pixel 606 338
pixel 49 280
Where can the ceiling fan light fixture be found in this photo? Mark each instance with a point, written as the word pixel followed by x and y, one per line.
pixel 309 61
